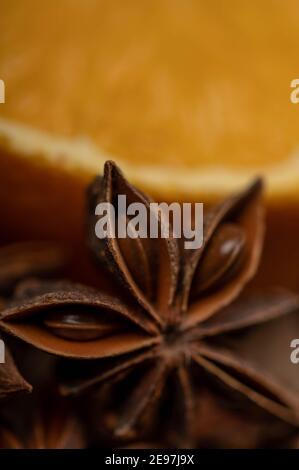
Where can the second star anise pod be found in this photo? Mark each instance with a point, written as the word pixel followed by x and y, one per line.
pixel 25 259
pixel 161 335
pixel 52 425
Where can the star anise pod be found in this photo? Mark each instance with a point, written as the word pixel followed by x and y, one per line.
pixel 162 334
pixel 11 380
pixel 53 426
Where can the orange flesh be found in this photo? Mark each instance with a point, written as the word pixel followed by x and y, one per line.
pixel 192 83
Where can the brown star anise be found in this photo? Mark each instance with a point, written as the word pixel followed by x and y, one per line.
pixel 162 332
pixel 18 261
pixel 11 380
pixel 53 426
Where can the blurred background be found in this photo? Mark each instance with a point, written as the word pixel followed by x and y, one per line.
pixel 190 97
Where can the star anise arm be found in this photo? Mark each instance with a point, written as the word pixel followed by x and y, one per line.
pixel 251 308
pixel 73 321
pixel 186 403
pixel 109 371
pixel 34 295
pixel 145 394
pixel 147 268
pixel 248 380
pixel 233 238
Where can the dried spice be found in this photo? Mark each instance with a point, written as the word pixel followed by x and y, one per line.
pixel 18 261
pixel 11 380
pixel 161 335
pixel 54 426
